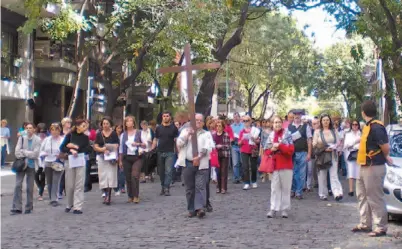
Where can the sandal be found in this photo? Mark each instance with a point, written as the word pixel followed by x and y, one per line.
pixel 359 229
pixel 377 234
pixel 218 191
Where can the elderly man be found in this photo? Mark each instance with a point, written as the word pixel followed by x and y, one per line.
pixel 195 172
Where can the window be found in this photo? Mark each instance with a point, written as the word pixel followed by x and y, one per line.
pixel 8 54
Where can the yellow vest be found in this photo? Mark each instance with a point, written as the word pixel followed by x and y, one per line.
pixel 362 153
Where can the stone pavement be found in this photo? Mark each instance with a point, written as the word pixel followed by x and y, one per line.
pixel 238 221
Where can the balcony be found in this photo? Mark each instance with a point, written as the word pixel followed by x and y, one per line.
pixel 10 64
pixel 54 56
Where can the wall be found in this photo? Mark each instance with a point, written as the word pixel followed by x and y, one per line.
pixel 14 112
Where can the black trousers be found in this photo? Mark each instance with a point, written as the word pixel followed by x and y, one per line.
pixel 88 181
pixel 40 179
pixel 207 187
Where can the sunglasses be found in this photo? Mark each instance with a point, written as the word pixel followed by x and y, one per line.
pixel 356 124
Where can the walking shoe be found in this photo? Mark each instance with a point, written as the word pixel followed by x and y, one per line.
pixel 351 193
pixel 77 212
pixel 117 193
pixel 130 200
pixel 162 192
pixel 284 214
pixel 167 192
pixel 254 185
pixel 299 197
pixel 28 211
pixel 323 198
pixel 15 212
pixel 40 198
pixel 55 204
pixel 209 208
pixel 271 214
pixel 67 210
pixel 201 213
pixel 136 200
pixel 246 187
pixel 339 198
pixel 330 193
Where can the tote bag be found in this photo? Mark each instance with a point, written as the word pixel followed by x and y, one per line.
pixel 267 164
pixel 214 158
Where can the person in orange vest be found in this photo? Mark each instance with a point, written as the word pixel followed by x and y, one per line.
pixel 372 156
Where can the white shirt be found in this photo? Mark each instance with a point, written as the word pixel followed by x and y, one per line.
pixel 130 149
pixel 50 148
pixel 352 139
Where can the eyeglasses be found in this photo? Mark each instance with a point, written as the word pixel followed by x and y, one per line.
pixel 246 121
pixel 355 124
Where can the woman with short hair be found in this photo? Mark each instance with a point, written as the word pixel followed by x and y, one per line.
pixel 106 143
pixel 76 144
pixel 40 177
pixel 222 144
pixel 50 152
pixel 130 158
pixel 351 146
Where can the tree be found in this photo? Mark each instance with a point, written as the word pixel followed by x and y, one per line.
pixel 273 58
pixel 344 68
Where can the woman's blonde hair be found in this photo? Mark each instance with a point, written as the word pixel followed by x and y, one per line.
pixel 66 120
pixel 4 121
pixel 276 117
pixel 126 119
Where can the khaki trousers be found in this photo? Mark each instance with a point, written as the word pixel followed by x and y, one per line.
pixel 370 196
pixel 75 178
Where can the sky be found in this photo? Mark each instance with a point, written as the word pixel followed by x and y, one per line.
pixel 322 24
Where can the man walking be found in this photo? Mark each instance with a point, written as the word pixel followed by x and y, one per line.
pixel 372 156
pixel 195 172
pixel 302 139
pixel 237 126
pixel 164 141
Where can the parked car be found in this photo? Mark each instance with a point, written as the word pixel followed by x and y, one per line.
pixel 393 177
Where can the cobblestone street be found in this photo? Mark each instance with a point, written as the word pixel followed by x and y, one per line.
pixel 238 221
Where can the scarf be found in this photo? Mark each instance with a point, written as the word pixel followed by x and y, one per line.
pixel 278 135
pixel 362 154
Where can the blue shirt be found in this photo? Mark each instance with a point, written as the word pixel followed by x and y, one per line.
pixel 237 128
pixel 31 162
pixel 5 132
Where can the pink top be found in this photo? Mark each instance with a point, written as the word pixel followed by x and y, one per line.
pixel 245 147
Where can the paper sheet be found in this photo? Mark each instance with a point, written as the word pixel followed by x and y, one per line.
pixel 111 156
pixel 78 161
pixel 50 158
pixel 296 135
pixel 131 150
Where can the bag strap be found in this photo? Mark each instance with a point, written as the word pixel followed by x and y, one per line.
pixel 323 137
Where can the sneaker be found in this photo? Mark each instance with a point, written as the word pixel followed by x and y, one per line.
pixel 28 211
pixel 271 214
pixel 67 210
pixel 246 187
pixel 15 212
pixel 77 212
pixel 284 214
pixel 339 198
pixel 167 192
pixel 117 193
pixel 162 192
pixel 254 185
pixel 103 195
pixel 351 194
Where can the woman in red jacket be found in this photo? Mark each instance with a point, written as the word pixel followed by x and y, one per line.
pixel 280 145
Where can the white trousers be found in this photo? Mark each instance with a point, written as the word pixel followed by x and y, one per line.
pixel 281 184
pixel 309 182
pixel 75 178
pixel 336 186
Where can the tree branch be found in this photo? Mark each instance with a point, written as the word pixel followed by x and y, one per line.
pixel 259 97
pixel 392 26
pixel 171 85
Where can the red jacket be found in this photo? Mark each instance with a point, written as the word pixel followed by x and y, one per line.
pixel 229 131
pixel 245 147
pixel 283 156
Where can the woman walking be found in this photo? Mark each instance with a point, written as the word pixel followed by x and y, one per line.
pixel 106 147
pixel 222 144
pixel 40 177
pixel 28 147
pixel 76 145
pixel 130 157
pixel 121 179
pixel 65 129
pixel 50 151
pixel 327 139
pixel 280 146
pixel 248 157
pixel 146 135
pixel 351 146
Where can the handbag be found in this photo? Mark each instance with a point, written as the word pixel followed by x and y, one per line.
pixel 57 166
pixel 267 164
pixel 19 165
pixel 214 158
pixel 352 156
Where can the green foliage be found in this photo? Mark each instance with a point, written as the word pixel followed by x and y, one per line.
pixel 33 10
pixel 275 56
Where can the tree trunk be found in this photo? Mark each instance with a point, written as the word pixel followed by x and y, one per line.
pixel 249 103
pixel 264 106
pixel 112 96
pixel 203 103
pixel 390 97
pixel 77 86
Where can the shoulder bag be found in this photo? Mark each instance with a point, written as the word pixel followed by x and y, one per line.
pixel 19 165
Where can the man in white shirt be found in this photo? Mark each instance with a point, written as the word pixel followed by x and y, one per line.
pixel 195 172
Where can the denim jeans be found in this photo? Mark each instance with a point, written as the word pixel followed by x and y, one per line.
pixel 121 180
pixel 237 166
pixel 343 164
pixel 3 155
pixel 165 166
pixel 299 172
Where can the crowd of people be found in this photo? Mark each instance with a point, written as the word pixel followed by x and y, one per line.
pixel 302 154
